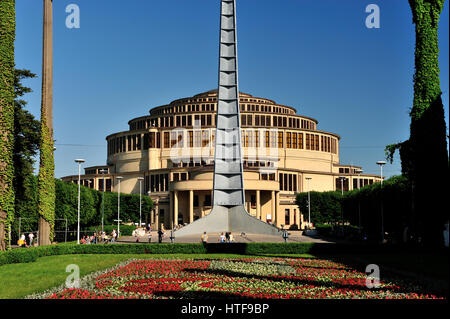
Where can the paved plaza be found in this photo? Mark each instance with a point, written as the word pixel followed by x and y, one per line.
pixel 294 237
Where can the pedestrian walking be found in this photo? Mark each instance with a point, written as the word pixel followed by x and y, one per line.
pixel 204 238
pixel 160 235
pixel 31 237
pixel 113 236
pixel 222 238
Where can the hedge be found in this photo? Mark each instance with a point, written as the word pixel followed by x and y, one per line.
pixel 26 255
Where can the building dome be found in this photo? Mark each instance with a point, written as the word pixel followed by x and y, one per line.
pixel 172 148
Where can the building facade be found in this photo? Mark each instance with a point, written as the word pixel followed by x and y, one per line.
pixel 172 149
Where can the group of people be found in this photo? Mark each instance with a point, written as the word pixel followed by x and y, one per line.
pixel 148 232
pixel 223 238
pixel 23 243
pixel 100 237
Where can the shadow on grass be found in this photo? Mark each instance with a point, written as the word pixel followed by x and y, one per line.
pixel 296 281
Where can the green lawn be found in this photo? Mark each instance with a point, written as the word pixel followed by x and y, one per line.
pixel 20 280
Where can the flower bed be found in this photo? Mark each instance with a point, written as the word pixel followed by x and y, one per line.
pixel 278 278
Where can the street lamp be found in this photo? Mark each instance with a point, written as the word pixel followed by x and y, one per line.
pixel 140 179
pixel 381 164
pixel 359 171
pixel 103 171
pixel 119 178
pixel 309 203
pixel 342 178
pixel 79 161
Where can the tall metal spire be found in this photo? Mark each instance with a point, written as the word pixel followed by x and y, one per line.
pixel 228 170
pixel 228 213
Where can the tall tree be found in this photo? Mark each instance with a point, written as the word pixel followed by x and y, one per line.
pixel 26 147
pixel 26 136
pixel 7 37
pixel 46 182
pixel 424 156
pixel 428 141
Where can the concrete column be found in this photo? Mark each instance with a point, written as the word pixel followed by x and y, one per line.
pixel 273 203
pixel 258 204
pixel 175 208
pixel 171 199
pixel 156 220
pixel 191 206
pixel 277 208
pixel 47 98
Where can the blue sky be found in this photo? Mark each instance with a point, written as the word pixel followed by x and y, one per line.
pixel 317 56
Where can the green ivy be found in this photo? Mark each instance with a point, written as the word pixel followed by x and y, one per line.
pixel 7 37
pixel 427 89
pixel 46 181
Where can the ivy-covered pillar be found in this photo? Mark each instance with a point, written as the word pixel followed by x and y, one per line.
pixel 46 182
pixel 426 157
pixel 7 37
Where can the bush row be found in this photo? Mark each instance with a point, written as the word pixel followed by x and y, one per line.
pixel 26 255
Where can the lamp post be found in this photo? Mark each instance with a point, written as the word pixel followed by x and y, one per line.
pixel 103 171
pixel 381 164
pixel 140 179
pixel 342 178
pixel 79 161
pixel 119 178
pixel 309 203
pixel 359 171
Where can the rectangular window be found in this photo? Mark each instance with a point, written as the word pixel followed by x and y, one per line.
pixel 203 120
pixel 243 120
pixel 191 138
pixel 166 140
pixel 300 141
pixel 205 138
pixel 207 202
pixel 267 139
pixel 195 200
pixel 158 140
pixel 249 120
pixel 280 140
pixel 288 140
pixel 294 140
pixel 308 145
pixel 173 139
pixel 256 120
pixel 273 139
pixel 287 216
pixel 197 138
pixel 317 142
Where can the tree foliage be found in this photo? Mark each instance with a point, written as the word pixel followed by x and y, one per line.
pixel 7 37
pixel 325 206
pixel 427 144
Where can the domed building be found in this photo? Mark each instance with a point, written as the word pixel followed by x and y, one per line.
pixel 169 155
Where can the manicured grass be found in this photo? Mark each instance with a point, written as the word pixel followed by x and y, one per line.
pixel 20 280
